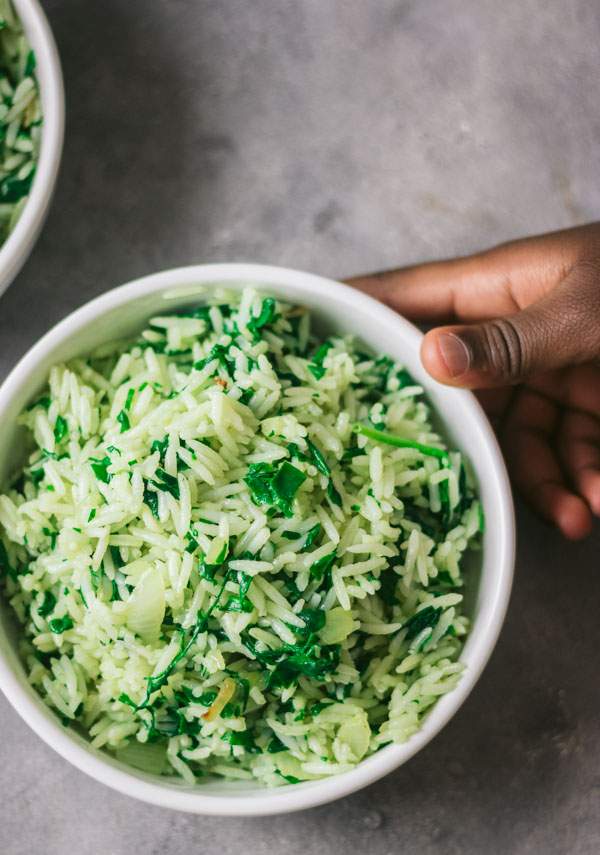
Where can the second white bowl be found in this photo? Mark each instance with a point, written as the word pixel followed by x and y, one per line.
pixel 19 243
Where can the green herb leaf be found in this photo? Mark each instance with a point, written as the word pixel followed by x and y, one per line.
pixel 319 567
pixel 392 439
pixel 427 617
pixel 318 371
pixel 238 604
pixel 167 483
pixel 351 453
pixel 47 605
pixel 311 535
pixel 192 543
pixel 276 745
pixel 313 618
pixel 53 535
pixel 12 189
pixel 244 738
pixel 37 475
pixel 151 499
pixel 388 582
pixel 274 486
pixel 59 625
pixel 315 663
pixel 29 64
pixel 317 368
pixel 160 445
pixel 285 486
pixel 317 458
pixel 291 779
pixel 265 317
pixel 218 352
pixel 333 495
pixel 100 468
pixel 294 451
pixel 123 420
pixel 60 429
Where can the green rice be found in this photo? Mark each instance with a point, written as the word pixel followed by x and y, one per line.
pixel 235 549
pixel 20 119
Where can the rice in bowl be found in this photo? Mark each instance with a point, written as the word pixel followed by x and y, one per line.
pixel 236 547
pixel 20 118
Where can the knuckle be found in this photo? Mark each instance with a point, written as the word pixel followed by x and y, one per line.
pixel 504 350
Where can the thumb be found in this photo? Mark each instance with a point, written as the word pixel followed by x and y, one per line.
pixel 562 328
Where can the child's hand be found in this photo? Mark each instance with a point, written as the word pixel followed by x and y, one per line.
pixel 525 329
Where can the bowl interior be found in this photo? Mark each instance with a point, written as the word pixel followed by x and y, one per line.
pixel 123 312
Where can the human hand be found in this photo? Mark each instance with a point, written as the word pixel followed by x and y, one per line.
pixel 525 332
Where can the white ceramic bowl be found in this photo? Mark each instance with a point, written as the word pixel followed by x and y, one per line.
pixel 124 311
pixel 18 245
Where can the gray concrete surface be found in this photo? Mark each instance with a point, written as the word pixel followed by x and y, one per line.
pixel 337 136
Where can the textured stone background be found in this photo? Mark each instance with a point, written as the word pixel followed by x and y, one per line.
pixel 336 136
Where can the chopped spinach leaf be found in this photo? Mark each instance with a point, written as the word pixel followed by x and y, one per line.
pixel 123 420
pixel 192 543
pixel 351 453
pixel 44 402
pixel 388 582
pixel 160 445
pixel 318 371
pixel 276 745
pixel 311 535
pixel 265 317
pixel 37 475
pixel 60 429
pixel 100 468
pixel 218 352
pixel 270 485
pixel 319 567
pixel 427 617
pixel 151 499
pixel 333 495
pixel 317 458
pixel 313 618
pixel 53 535
pixel 167 483
pixel 243 738
pixel 47 605
pixel 12 189
pixel 59 625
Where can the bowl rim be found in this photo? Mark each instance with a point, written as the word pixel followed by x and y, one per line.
pixel 182 281
pixel 19 243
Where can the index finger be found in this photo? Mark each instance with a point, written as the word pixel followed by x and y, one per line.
pixel 468 289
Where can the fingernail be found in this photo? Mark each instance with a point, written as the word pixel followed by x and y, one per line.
pixel 454 353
